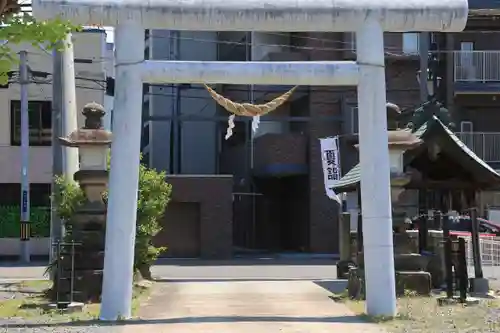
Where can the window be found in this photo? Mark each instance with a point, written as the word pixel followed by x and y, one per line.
pixel 411 42
pixel 40 123
pixel 39 194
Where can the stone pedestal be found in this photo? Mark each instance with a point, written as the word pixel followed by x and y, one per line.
pixel 345 246
pixel 479 286
pixel 88 225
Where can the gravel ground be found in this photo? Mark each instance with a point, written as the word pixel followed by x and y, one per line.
pixel 19 291
pixel 423 315
pixel 12 326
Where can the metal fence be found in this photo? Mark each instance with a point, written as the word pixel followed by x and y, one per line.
pixel 476 66
pixel 486 145
pixel 490 258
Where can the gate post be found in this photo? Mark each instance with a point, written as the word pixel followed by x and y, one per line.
pixel 375 177
pixel 124 173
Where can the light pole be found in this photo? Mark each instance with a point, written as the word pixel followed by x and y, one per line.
pixel 25 184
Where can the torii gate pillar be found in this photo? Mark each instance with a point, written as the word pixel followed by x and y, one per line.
pixel 368 18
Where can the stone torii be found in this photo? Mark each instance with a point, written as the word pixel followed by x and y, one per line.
pixel 368 18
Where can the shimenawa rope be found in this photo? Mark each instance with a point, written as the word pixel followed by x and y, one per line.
pixel 248 109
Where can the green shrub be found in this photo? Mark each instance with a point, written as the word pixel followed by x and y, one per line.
pixel 10 217
pixel 153 197
pixel 67 197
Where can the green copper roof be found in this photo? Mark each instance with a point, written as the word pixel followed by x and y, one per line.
pixel 353 177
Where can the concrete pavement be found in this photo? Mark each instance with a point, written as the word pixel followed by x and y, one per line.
pixel 245 295
pixel 248 307
pixel 17 271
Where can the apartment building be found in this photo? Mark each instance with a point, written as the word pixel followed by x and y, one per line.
pixel 279 203
pixel 472 85
pixel 89 46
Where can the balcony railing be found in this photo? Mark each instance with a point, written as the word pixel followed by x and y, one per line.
pixel 477 66
pixel 486 145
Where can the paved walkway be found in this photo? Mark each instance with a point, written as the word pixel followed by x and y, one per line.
pixel 247 307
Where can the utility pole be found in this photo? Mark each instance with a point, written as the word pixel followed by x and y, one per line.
pixel 64 121
pixel 55 221
pixel 69 118
pixel 25 150
pixel 424 65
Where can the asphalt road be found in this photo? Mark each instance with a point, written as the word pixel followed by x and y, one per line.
pixel 246 269
pixel 240 269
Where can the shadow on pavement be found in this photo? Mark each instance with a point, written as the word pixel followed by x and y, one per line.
pixel 195 320
pixel 333 286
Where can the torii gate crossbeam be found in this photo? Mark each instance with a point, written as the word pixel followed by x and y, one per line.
pixel 368 18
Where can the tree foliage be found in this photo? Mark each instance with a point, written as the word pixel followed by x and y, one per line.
pixel 153 197
pixel 19 28
pixel 68 196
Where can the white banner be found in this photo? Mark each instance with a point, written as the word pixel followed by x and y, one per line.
pixel 331 165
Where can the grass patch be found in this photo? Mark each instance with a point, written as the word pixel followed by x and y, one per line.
pixel 35 306
pixel 39 285
pixel 423 314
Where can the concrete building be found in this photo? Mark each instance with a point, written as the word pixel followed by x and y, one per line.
pixel 89 47
pixel 279 202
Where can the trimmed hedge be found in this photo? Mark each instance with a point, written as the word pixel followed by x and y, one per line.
pixel 10 217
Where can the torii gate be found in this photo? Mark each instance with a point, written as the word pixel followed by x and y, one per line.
pixel 368 18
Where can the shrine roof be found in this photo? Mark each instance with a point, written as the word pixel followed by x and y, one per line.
pixel 467 158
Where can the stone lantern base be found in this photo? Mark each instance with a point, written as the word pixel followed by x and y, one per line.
pixel 87 229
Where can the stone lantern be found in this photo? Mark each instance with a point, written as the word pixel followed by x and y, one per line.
pixel 399 142
pixel 87 226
